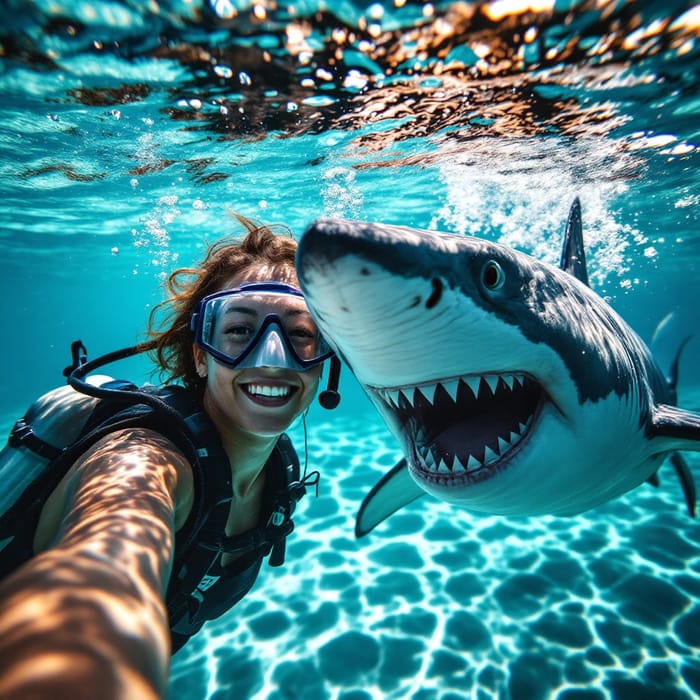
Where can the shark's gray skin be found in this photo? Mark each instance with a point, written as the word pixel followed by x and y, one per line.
pixel 510 385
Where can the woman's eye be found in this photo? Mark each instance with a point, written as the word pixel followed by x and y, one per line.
pixel 237 332
pixel 302 334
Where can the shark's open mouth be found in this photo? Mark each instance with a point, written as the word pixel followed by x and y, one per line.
pixel 464 429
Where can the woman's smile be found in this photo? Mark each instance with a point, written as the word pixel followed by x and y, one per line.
pixel 266 393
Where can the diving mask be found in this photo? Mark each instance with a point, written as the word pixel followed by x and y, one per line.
pixel 264 324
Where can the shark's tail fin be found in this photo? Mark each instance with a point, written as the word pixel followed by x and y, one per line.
pixel 673 372
pixel 685 476
pixel 678 462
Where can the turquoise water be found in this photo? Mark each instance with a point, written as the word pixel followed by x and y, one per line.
pixel 128 131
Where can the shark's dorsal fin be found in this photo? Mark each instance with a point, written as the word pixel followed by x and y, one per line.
pixel 393 491
pixel 573 254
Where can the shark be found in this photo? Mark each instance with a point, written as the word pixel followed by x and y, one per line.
pixel 511 386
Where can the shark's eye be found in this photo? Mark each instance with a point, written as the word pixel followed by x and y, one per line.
pixel 492 276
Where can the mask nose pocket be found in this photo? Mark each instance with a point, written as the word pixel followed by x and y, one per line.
pixel 270 350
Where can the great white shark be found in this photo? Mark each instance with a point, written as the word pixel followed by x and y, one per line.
pixel 510 385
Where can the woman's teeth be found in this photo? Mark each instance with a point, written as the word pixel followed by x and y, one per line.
pixel 274 392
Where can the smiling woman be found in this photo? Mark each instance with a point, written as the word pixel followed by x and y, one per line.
pixel 163 518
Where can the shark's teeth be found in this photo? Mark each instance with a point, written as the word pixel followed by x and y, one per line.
pixel 492 382
pixel 442 468
pixel 474 463
pixel 488 383
pixel 473 383
pixel 490 456
pixel 444 464
pixel 392 397
pixel 475 445
pixel 508 380
pixel 426 394
pixel 429 393
pixel 452 387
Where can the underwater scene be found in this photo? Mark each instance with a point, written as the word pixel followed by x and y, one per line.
pixel 132 130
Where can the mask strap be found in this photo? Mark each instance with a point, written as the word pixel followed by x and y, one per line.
pixel 330 398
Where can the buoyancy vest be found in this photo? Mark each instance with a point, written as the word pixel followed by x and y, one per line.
pixel 200 588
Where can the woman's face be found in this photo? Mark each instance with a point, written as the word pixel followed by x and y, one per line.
pixel 260 401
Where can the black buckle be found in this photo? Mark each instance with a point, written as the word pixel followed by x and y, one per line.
pixel 21 431
pixel 22 435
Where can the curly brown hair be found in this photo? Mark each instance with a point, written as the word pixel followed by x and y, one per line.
pixel 171 339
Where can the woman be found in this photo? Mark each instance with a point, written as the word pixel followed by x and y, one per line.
pixel 120 536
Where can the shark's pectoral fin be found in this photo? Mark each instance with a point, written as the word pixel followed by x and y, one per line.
pixel 687 483
pixel 679 428
pixel 393 491
pixel 654 480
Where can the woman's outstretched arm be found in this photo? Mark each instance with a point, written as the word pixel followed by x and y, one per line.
pixel 86 618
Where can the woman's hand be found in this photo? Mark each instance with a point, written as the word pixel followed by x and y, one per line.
pixel 86 618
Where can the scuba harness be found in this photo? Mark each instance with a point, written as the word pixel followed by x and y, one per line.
pixel 271 537
pixel 172 411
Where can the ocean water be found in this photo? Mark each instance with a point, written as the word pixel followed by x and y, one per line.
pixel 128 133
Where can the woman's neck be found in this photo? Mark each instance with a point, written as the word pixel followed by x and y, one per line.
pixel 247 459
pixel 247 454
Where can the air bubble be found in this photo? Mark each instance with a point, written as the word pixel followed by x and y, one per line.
pixel 223 71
